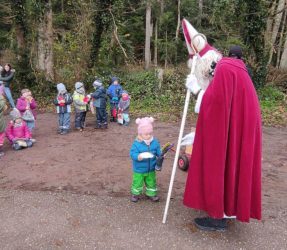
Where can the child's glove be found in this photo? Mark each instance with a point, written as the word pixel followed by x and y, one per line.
pixel 159 162
pixel 146 155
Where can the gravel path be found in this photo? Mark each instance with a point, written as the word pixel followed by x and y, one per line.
pixel 45 220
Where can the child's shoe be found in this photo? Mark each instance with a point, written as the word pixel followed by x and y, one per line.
pixel 105 126
pixel 64 132
pixel 98 126
pixel 134 198
pixel 154 198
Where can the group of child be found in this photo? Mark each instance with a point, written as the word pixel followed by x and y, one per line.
pixel 119 102
pixel 145 151
pixel 19 129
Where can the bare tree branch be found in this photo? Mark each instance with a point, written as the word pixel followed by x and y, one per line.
pixel 116 35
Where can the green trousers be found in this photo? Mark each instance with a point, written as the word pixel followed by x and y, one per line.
pixel 148 179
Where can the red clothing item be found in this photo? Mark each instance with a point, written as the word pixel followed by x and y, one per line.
pixel 225 166
pixel 21 132
pixel 22 104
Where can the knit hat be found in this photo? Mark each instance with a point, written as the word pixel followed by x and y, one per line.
pixel 15 114
pixel 79 86
pixel 115 79
pixel 61 88
pixel 97 83
pixel 125 95
pixel 145 125
pixel 235 51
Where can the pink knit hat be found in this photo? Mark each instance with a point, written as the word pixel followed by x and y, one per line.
pixel 145 125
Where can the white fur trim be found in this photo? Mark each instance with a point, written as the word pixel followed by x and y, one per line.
pixel 198 101
pixel 203 66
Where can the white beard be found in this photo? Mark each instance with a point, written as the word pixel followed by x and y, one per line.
pixel 203 67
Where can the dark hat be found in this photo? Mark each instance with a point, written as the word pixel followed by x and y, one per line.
pixel 235 51
pixel 114 78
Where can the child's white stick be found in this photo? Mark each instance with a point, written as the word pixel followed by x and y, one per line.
pixel 178 143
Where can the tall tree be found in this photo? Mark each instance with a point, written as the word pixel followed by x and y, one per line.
pixel 200 11
pixel 148 34
pixel 277 21
pixel 254 27
pixel 23 63
pixel 45 60
pixel 178 19
pixel 283 61
pixel 101 20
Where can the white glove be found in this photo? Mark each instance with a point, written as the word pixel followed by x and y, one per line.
pixel 192 84
pixel 146 155
pixel 187 139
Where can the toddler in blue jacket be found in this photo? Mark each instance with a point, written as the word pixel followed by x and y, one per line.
pixel 144 152
pixel 114 92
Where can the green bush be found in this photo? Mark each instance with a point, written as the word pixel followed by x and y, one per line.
pixel 270 96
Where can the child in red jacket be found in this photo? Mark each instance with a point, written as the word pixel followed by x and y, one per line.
pixel 18 132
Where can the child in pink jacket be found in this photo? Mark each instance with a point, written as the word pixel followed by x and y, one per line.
pixel 18 132
pixel 26 103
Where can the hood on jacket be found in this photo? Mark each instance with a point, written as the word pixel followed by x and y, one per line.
pixel 79 86
pixel 61 88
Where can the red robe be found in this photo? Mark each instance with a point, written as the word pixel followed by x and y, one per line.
pixel 225 166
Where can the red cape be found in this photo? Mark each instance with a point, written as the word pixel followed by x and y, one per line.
pixel 225 166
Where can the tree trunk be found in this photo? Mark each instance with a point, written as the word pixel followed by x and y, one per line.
pixel 269 24
pixel 50 41
pixel 277 21
pixel 148 34
pixel 155 43
pixel 200 11
pixel 20 26
pixel 165 60
pixel 281 39
pixel 283 62
pixel 178 20
pixel 45 43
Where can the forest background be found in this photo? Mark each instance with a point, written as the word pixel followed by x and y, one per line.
pixel 141 42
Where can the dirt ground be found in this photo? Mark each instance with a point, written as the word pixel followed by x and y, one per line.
pixel 86 178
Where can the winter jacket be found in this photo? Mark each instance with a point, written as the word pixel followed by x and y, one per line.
pixel 146 165
pixel 2 120
pixel 124 106
pixel 14 133
pixel 80 105
pixel 100 97
pixel 7 79
pixel 22 104
pixel 114 92
pixel 66 107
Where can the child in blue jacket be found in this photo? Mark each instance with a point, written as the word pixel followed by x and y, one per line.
pixel 114 92
pixel 144 152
